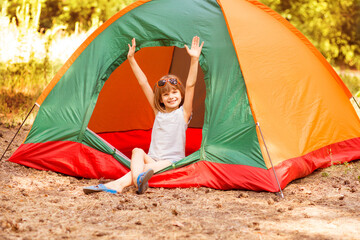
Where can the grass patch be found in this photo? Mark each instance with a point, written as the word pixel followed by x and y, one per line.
pixel 20 85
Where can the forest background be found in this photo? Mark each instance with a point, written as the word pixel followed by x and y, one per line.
pixel 38 36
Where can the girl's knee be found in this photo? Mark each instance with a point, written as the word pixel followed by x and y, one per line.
pixel 137 150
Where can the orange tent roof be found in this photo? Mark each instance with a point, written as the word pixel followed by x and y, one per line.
pixel 277 60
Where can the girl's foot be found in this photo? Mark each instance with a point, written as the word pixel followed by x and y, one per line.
pixel 98 188
pixel 142 181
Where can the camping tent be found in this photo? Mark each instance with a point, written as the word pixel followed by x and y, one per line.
pixel 268 108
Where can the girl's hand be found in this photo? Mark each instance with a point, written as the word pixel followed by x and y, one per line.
pixel 195 50
pixel 131 49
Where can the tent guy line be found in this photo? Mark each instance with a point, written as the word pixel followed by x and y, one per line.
pixel 16 133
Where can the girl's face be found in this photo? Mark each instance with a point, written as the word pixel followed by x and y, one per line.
pixel 171 99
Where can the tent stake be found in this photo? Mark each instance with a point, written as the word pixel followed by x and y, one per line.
pixel 17 132
pixel 272 166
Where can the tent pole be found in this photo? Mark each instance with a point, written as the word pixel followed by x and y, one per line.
pixel 17 132
pixel 355 101
pixel 272 166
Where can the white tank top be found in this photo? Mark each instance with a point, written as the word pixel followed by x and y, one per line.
pixel 168 136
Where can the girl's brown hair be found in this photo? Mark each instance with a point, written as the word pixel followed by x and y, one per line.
pixel 158 91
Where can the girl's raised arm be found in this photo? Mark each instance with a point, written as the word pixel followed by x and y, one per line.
pixel 194 52
pixel 140 76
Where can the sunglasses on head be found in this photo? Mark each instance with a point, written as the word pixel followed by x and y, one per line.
pixel 163 82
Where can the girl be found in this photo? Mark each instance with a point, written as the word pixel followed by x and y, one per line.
pixel 171 104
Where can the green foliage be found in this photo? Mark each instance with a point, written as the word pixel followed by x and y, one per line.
pixel 69 12
pixel 51 14
pixel 26 76
pixel 86 10
pixel 28 14
pixel 25 67
pixel 20 85
pixel 332 26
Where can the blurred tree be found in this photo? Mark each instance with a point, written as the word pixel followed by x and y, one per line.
pixel 333 26
pixel 84 12
pixel 51 10
pixel 69 12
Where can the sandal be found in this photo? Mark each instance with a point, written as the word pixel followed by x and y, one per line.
pixel 98 188
pixel 142 181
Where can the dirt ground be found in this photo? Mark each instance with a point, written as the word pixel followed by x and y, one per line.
pixel 46 205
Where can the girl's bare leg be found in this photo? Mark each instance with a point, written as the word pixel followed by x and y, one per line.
pixel 157 166
pixel 120 183
pixel 140 162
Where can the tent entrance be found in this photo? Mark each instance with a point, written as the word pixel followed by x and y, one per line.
pixel 125 142
pixel 123 117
